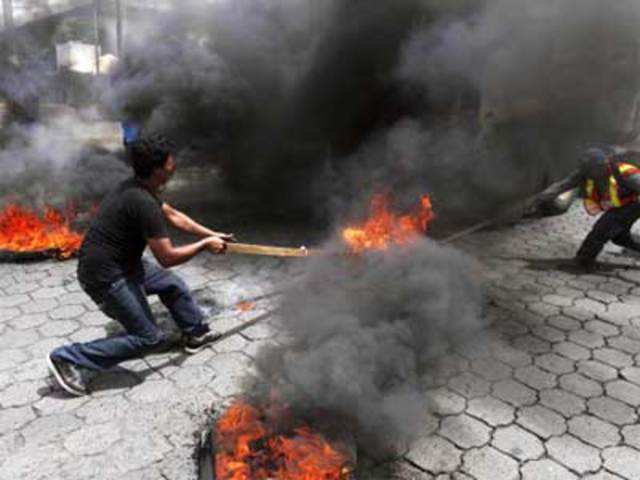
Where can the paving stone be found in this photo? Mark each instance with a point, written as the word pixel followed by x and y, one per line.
pixel 532 344
pixel 36 463
pixel 445 402
pixel 602 475
pixel 549 334
pixel 626 344
pixel 19 394
pixel 620 313
pixel 597 370
pixel 15 418
pixel 512 356
pixel 563 402
pixel 152 391
pixel 435 455
pixel 541 421
pixel 465 431
pixel 235 343
pixel 572 351
pixel 67 312
pixel 518 443
pixel 26 322
pixel 612 357
pixel 149 450
pixel 557 300
pixel 535 378
pixel 8 301
pixel 612 410
pixel 624 461
pixel 563 323
pixel 491 410
pixel 18 338
pixel 469 385
pixel 574 454
pixel 587 339
pixel 487 463
pixel 594 431
pixel 547 470
pixel 7 314
pixel 631 435
pixel 58 328
pixel 490 369
pixel 48 292
pixel 192 377
pixel 555 363
pixel 603 328
pixel 632 374
pixel 580 385
pixel 39 306
pixel 83 335
pixel 625 391
pixel 94 319
pixel 514 393
pixel 50 429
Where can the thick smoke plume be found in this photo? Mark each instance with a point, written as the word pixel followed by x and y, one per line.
pixel 360 332
pixel 277 94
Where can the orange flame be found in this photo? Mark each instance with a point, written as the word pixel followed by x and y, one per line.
pixel 245 306
pixel 250 446
pixel 385 228
pixel 23 230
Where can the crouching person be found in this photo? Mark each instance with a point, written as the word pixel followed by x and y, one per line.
pixel 113 273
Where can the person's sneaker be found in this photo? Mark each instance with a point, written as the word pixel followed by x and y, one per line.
pixel 68 376
pixel 193 343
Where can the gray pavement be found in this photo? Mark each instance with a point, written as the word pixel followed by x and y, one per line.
pixel 552 390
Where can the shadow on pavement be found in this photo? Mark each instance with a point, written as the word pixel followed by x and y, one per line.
pixel 568 265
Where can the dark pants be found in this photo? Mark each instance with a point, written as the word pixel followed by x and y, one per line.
pixel 614 225
pixel 125 301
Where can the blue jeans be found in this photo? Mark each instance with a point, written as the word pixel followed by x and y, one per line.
pixel 125 301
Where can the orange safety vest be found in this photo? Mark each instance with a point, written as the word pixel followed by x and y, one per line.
pixel 614 196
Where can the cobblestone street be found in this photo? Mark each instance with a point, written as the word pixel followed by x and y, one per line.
pixel 551 393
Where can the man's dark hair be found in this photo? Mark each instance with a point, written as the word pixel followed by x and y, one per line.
pixel 148 153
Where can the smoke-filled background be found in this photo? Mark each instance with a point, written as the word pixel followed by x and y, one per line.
pixel 307 108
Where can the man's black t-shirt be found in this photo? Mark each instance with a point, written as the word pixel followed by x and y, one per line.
pixel 113 246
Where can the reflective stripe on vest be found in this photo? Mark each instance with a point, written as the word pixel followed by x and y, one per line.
pixel 614 196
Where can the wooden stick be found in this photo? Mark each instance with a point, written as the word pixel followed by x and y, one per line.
pixel 269 250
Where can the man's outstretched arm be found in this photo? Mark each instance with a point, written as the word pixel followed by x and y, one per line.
pixel 169 256
pixel 184 222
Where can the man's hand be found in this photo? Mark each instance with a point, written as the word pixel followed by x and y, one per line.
pixel 216 245
pixel 227 237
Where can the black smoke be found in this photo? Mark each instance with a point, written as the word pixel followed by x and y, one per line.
pixel 284 96
pixel 360 333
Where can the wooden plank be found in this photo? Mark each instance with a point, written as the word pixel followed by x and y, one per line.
pixel 269 250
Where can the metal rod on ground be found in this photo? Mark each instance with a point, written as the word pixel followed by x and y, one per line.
pixel 245 325
pixel 487 223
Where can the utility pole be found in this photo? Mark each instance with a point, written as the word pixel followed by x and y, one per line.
pixel 119 51
pixel 7 13
pixel 96 22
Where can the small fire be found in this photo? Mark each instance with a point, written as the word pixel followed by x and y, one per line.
pixel 245 306
pixel 384 228
pixel 250 445
pixel 23 230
